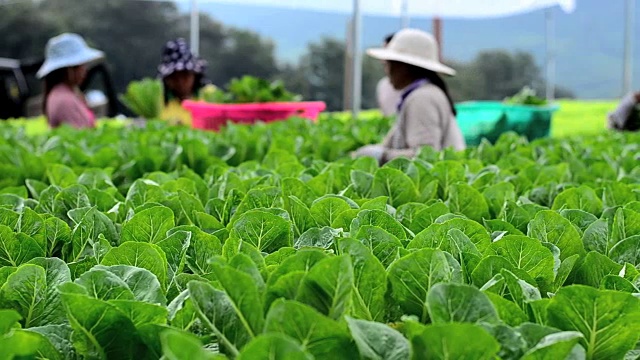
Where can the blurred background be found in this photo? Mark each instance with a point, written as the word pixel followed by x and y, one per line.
pixel 495 58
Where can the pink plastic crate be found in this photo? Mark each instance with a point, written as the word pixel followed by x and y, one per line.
pixel 209 116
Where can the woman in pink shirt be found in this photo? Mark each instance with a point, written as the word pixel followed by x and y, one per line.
pixel 63 71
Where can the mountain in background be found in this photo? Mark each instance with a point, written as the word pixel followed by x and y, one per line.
pixel 589 41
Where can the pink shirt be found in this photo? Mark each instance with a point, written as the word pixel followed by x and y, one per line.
pixel 64 106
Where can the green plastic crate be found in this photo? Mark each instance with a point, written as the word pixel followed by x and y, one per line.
pixel 490 119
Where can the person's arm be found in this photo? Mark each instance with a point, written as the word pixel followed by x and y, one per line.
pixel 619 116
pixel 425 116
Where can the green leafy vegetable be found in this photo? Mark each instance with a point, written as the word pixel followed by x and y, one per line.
pixel 145 98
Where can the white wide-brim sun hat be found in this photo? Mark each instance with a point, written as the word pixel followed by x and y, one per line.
pixel 414 47
pixel 67 50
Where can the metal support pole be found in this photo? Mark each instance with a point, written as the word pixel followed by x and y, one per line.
pixel 195 27
pixel 356 99
pixel 348 69
pixel 406 19
pixel 550 55
pixel 437 33
pixel 627 76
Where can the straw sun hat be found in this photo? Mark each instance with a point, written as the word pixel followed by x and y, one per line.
pixel 413 47
pixel 67 50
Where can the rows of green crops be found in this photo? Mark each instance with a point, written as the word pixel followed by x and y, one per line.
pixel 269 242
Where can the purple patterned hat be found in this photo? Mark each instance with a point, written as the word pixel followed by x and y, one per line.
pixel 177 56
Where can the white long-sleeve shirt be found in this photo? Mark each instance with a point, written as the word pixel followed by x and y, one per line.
pixel 424 120
pixel 388 97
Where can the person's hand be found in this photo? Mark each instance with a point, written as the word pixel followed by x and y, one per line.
pixel 374 151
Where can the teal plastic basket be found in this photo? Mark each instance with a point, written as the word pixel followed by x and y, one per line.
pixel 490 119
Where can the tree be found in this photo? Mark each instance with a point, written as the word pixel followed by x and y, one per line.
pixel 321 73
pixel 505 74
pixel 497 74
pixel 244 53
pixel 232 53
pixel 468 84
pixel 564 93
pixel 25 30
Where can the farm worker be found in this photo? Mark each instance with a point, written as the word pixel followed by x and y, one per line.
pixel 387 96
pixel 63 71
pixel 622 117
pixel 426 114
pixel 181 71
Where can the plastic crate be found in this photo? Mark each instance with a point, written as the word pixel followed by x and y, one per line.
pixel 210 116
pixel 489 119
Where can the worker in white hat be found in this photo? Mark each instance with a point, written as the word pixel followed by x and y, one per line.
pixel 63 71
pixel 426 113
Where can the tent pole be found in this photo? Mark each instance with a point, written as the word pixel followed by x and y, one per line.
pixel 195 27
pixel 348 68
pixel 406 19
pixel 437 33
pixel 627 76
pixel 550 55
pixel 356 99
